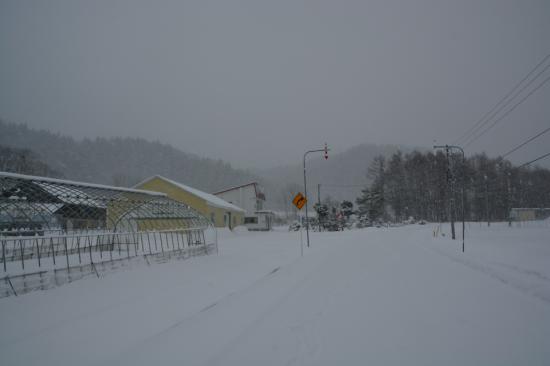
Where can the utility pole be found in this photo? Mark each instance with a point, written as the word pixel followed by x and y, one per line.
pixel 509 199
pixel 487 200
pixel 450 182
pixel 325 150
pixel 447 148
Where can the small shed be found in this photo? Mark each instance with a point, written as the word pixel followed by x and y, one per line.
pixel 220 212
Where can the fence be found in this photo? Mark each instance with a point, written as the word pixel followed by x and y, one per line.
pixel 31 263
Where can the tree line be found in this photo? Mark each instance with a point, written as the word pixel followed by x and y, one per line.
pixel 436 187
pixel 24 161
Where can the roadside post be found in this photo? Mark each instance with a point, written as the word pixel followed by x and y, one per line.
pixel 299 201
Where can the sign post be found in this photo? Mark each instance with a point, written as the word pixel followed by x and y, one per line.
pixel 299 201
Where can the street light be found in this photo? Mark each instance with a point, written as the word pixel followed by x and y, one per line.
pixel 325 150
pixel 447 148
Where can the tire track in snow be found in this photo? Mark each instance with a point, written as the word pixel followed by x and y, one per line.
pixel 308 342
pixel 205 309
pixel 531 273
pixel 217 357
pixel 226 313
pixel 208 307
pixel 490 272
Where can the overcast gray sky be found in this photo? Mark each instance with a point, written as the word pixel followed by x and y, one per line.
pixel 258 82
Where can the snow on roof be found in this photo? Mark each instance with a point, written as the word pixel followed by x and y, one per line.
pixel 236 187
pixel 79 184
pixel 77 196
pixel 210 199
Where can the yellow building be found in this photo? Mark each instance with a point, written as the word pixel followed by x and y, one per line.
pixel 220 212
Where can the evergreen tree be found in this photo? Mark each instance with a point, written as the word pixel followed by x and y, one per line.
pixel 376 197
pixel 363 202
pixel 322 212
pixel 346 207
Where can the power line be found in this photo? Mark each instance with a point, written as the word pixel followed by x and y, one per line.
pixel 532 161
pixel 507 112
pixel 480 122
pixel 495 113
pixel 496 108
pixel 526 142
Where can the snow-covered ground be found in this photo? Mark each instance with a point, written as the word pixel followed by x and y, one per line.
pixel 389 296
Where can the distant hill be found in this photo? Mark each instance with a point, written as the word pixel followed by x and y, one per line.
pixel 120 161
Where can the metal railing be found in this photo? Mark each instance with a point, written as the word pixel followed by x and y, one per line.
pixel 20 254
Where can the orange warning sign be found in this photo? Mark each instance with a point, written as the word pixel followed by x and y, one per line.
pixel 299 201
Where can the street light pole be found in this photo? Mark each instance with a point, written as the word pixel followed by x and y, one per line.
pixel 318 204
pixel 325 150
pixel 447 147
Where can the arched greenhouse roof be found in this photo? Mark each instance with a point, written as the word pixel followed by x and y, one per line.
pixel 31 203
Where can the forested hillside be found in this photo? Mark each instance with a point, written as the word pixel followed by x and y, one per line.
pixel 119 161
pixel 24 161
pixel 425 186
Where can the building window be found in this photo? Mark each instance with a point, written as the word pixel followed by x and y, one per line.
pixel 213 217
pixel 225 220
pixel 251 220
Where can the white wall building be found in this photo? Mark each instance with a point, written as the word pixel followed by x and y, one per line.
pixel 250 197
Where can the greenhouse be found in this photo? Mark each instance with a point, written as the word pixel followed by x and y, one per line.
pixel 51 224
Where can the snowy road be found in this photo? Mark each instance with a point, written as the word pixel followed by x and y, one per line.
pixel 376 296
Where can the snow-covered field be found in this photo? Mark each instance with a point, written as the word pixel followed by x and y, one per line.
pixel 376 296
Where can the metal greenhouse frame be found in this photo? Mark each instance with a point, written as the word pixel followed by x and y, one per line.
pixel 50 224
